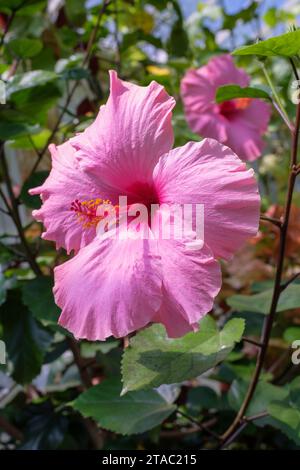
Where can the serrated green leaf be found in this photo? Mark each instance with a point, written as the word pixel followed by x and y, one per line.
pixel 261 303
pixel 153 359
pixel 287 45
pixel 230 92
pixel 134 413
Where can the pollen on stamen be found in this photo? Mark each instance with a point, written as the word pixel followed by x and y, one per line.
pixel 86 211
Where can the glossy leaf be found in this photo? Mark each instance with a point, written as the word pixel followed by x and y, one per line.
pixel 133 413
pixel 230 92
pixel 287 45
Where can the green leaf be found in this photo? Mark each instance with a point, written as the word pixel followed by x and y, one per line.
pixel 17 5
pixel 25 48
pixel 33 93
pixel 230 92
pixel 134 413
pixel 26 341
pixel 153 359
pixel 287 45
pixel 264 394
pixel 261 303
pixel 292 334
pixel 24 81
pixel 33 181
pixel 12 129
pixel 37 141
pixel 75 10
pixel 5 284
pixel 286 412
pixel 37 295
pixel 45 429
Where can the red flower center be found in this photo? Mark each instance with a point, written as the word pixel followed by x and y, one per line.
pixel 230 107
pixel 142 193
pixel 137 193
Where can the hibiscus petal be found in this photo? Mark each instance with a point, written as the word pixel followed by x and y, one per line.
pixel 129 135
pixel 221 70
pixel 245 139
pixel 66 183
pixel 241 130
pixel 191 281
pixel 244 131
pixel 198 87
pixel 111 287
pixel 210 173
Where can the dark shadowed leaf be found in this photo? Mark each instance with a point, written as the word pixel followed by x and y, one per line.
pixel 37 295
pixel 45 429
pixel 26 340
pixel 33 181
pixel 261 303
pixel 264 394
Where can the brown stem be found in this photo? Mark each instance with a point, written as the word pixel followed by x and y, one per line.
pixel 237 424
pixel 244 423
pixel 94 432
pixel 14 211
pixel 289 281
pixel 85 378
pixel 272 220
pixel 252 341
pixel 201 426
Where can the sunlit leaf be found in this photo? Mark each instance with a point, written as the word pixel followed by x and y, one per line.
pixel 287 44
pixel 153 359
pixel 230 92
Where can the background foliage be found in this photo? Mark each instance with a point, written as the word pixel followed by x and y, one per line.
pixel 56 393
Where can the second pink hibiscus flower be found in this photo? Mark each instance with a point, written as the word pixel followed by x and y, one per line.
pixel 238 123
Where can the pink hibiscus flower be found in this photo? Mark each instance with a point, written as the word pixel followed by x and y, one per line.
pixel 114 286
pixel 238 123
